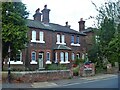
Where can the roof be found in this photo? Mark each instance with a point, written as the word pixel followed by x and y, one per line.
pixel 52 27
pixel 62 47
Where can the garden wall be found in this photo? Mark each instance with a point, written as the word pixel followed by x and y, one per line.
pixel 36 76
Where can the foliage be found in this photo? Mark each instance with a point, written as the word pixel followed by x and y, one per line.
pixel 76 70
pixel 14 27
pixel 56 67
pixel 109 33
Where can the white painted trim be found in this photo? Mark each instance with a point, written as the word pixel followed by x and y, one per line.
pixel 48 62
pixel 37 41
pixel 60 43
pixel 33 62
pixel 64 62
pixel 15 62
pixel 72 44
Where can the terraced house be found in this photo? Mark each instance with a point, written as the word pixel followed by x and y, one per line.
pixel 51 43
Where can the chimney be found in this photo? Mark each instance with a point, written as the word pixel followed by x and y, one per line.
pixel 81 25
pixel 66 24
pixel 37 15
pixel 45 15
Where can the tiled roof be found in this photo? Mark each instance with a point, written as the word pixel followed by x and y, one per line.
pixel 52 27
pixel 62 47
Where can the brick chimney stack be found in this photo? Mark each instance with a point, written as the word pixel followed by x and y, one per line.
pixel 81 25
pixel 45 15
pixel 37 15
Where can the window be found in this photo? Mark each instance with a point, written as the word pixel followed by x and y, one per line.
pixel 56 60
pixel 33 56
pixel 62 56
pixel 19 56
pixel 72 39
pixel 73 56
pixel 58 38
pixel 63 38
pixel 77 40
pixel 78 55
pixel 34 35
pixel 66 56
pixel 48 56
pixel 41 34
pixel 17 59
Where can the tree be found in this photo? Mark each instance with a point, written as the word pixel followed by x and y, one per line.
pixel 108 31
pixel 14 27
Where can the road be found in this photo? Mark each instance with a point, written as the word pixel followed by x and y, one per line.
pixel 101 83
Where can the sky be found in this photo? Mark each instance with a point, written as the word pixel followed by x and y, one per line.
pixel 66 10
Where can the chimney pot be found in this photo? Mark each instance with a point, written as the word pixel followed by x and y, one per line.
pixel 37 15
pixel 81 24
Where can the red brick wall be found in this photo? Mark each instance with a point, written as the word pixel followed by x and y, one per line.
pixel 37 76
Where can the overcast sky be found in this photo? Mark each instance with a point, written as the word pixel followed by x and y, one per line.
pixel 66 10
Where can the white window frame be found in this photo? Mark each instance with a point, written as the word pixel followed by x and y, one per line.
pixel 61 56
pixel 33 61
pixel 48 58
pixel 73 56
pixel 16 62
pixel 33 35
pixel 63 38
pixel 58 38
pixel 66 57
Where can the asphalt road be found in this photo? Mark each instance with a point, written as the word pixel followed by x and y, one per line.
pixel 102 83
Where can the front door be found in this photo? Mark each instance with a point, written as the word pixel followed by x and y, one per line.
pixel 40 60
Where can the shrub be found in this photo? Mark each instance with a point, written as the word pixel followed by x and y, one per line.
pixel 76 71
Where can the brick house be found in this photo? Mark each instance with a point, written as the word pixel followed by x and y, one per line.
pixel 50 43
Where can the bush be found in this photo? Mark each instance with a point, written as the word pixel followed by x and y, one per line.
pixel 56 67
pixel 76 71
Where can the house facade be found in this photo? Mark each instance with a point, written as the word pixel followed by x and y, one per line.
pixel 50 43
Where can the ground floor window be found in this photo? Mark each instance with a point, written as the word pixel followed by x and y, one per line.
pixel 64 57
pixel 56 57
pixel 48 56
pixel 78 55
pixel 73 56
pixel 33 58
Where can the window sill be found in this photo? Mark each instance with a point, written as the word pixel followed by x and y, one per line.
pixel 72 44
pixel 61 43
pixel 37 41
pixel 48 62
pixel 64 62
pixel 17 62
pixel 33 62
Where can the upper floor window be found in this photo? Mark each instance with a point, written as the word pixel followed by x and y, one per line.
pixel 41 35
pixel 34 35
pixel 63 38
pixel 77 40
pixel 60 39
pixel 72 39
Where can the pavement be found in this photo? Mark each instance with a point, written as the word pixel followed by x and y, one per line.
pixel 57 83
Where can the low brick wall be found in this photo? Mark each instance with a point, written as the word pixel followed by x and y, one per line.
pixel 37 76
